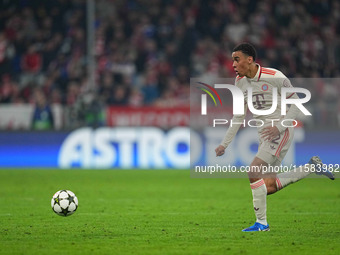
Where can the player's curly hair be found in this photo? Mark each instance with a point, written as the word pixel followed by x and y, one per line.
pixel 246 48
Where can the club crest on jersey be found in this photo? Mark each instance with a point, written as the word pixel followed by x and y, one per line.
pixel 265 87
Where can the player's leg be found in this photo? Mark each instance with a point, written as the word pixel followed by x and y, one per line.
pixel 284 179
pixel 271 185
pixel 270 175
pixel 274 152
pixel 259 191
pixel 263 180
pixel 314 165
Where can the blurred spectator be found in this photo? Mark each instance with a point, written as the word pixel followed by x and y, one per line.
pixel 7 52
pixel 146 51
pixel 91 111
pixel 31 63
pixel 136 98
pixel 42 118
pixel 8 90
pixel 120 96
pixel 236 30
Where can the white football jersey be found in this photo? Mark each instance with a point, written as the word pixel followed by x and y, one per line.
pixel 262 85
pixel 262 91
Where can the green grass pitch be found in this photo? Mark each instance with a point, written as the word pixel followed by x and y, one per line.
pixel 162 212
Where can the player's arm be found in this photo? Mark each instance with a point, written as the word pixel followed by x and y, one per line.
pixel 230 134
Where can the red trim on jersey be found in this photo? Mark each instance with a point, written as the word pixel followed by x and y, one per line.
pixel 238 78
pixel 290 95
pixel 260 73
pixel 268 71
pixel 283 143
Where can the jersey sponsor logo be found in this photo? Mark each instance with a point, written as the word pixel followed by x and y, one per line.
pixel 257 102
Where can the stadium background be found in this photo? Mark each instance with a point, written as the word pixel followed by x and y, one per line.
pixel 124 104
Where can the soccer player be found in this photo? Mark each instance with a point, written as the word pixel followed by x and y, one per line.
pixel 275 139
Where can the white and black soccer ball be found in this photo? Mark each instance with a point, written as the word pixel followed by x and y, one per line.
pixel 64 202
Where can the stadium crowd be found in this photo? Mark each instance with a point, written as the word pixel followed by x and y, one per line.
pixel 147 50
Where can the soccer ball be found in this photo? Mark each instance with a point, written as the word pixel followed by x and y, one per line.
pixel 64 202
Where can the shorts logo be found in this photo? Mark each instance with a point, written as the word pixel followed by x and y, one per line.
pixel 265 87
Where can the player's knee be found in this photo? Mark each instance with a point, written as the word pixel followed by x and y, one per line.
pixel 271 190
pixel 271 185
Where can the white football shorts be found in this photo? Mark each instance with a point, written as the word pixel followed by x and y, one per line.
pixel 273 152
